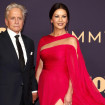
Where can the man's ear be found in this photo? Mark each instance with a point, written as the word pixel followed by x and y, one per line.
pixel 6 21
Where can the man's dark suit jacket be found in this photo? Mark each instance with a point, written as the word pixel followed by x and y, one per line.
pixel 14 80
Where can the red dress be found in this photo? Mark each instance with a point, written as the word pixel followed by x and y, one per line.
pixel 60 64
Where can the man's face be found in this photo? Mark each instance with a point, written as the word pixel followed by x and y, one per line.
pixel 15 20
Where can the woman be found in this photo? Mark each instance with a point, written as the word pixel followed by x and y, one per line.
pixel 61 73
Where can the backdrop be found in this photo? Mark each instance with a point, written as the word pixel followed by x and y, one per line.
pixel 86 23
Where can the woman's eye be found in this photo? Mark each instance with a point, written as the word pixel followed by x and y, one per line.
pixel 56 16
pixel 64 16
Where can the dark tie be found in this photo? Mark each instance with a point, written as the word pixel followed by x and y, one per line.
pixel 21 57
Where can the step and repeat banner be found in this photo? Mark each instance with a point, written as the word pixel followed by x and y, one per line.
pixel 87 23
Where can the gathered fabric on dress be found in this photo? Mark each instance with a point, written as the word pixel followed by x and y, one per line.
pixel 61 64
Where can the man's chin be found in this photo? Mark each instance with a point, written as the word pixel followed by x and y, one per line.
pixel 17 30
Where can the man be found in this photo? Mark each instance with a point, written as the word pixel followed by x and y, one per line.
pixel 18 85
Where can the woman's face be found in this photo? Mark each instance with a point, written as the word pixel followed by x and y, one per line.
pixel 59 19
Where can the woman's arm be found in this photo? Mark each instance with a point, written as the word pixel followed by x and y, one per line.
pixel 39 70
pixel 68 96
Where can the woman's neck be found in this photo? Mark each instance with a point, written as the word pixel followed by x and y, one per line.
pixel 58 32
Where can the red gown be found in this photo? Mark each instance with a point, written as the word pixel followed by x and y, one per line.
pixel 60 64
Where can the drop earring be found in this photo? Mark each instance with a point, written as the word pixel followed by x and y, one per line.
pixel 66 27
pixel 51 27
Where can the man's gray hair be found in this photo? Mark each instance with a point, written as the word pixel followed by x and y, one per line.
pixel 15 5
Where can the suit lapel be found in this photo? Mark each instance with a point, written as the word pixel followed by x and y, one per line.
pixel 26 47
pixel 10 48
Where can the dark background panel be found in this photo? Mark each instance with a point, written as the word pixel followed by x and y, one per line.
pixel 85 16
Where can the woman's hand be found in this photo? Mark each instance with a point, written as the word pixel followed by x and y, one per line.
pixel 68 96
pixel 68 99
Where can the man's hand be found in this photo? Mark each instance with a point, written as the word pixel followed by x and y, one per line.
pixel 34 97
